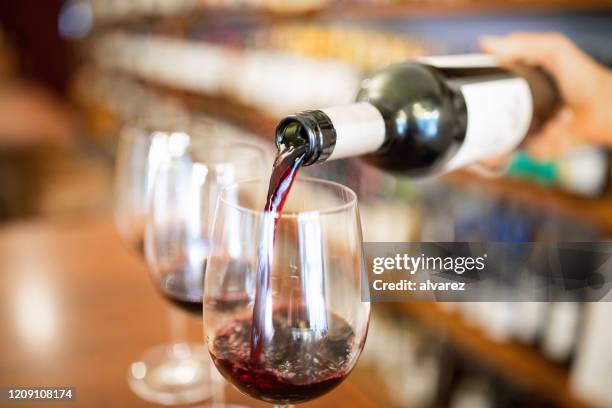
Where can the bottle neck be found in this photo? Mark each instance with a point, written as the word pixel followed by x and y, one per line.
pixel 334 133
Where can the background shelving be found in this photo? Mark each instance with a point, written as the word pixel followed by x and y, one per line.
pixel 516 362
pixel 211 35
pixel 283 12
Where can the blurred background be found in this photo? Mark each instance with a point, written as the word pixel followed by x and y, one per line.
pixel 72 73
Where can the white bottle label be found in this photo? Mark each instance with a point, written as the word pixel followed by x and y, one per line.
pixel 499 114
pixel 360 129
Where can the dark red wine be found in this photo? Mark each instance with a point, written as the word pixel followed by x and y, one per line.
pixel 298 364
pixel 184 288
pixel 290 156
pixel 194 308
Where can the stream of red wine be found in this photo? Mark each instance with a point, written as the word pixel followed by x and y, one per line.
pixel 286 165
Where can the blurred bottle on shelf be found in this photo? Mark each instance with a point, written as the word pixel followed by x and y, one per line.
pixel 583 171
pixel 447 375
pixel 468 383
pixel 562 331
pixel 530 322
pixel 400 349
pixel 366 48
pixel 302 65
pixel 472 392
pixel 280 6
pixel 105 11
pixel 110 99
pixel 552 330
pixel 591 376
pixel 291 81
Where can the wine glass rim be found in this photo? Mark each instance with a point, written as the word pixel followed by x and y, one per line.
pixel 350 202
pixel 231 146
pixel 159 122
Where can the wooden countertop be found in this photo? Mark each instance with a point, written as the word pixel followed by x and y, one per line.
pixel 77 307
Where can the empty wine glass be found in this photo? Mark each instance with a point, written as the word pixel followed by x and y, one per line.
pixel 141 147
pixel 310 325
pixel 174 373
pixel 181 208
pixel 182 201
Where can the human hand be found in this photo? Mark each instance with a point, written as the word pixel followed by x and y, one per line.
pixel 585 87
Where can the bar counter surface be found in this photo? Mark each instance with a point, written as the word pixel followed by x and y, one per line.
pixel 77 307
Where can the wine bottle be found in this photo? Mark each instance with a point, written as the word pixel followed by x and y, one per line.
pixel 584 170
pixel 562 331
pixel 428 116
pixel 591 374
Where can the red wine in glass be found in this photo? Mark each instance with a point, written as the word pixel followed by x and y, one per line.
pixel 299 363
pixel 184 289
pixel 286 346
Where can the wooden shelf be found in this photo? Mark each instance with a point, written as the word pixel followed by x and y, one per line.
pixel 593 211
pixel 418 8
pixel 518 363
pixel 364 11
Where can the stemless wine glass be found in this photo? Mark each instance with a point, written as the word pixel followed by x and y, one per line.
pixel 308 330
pixel 182 202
